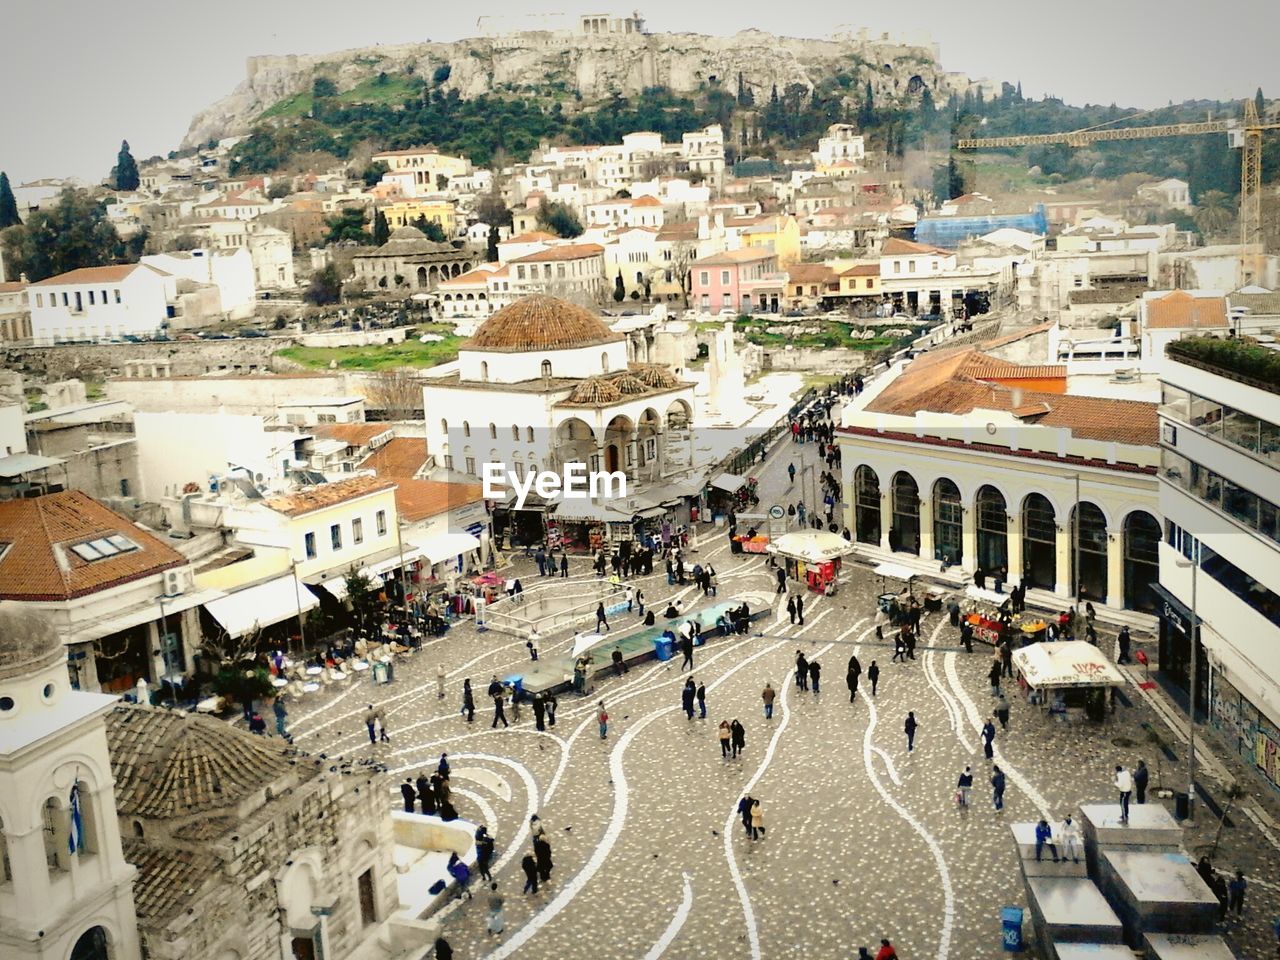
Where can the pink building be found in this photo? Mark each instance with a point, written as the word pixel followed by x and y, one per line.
pixel 738 280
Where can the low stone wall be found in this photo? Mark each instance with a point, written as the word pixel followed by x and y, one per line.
pixel 186 358
pixel 352 338
pixel 836 360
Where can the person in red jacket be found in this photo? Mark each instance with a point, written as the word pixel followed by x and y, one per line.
pixel 886 951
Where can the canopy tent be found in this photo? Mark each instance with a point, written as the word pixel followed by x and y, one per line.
pixel 1072 663
pixel 811 546
pixel 895 570
pixel 584 508
pixel 17 464
pixel 974 592
pixel 728 482
pixel 260 606
pixel 443 546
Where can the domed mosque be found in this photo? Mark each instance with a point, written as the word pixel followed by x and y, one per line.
pixel 544 383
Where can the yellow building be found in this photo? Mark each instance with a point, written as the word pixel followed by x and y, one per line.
pixel 780 233
pixel 405 213
pixel 860 280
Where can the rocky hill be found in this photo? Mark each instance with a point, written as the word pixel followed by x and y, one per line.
pixel 585 68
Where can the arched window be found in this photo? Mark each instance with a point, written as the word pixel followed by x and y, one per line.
pixel 866 505
pixel 138 830
pixel 515 432
pixel 604 361
pixel 948 522
pixel 444 426
pixel 546 368
pixel 466 428
pixel 484 370
pixel 529 434
pixel 493 431
pixel 54 823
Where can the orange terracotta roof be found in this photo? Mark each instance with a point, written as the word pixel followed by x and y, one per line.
pixel 541 323
pixel 862 270
pixel 982 367
pixel 353 434
pixel 411 152
pixel 419 499
pixel 938 382
pixel 469 279
pixel 896 247
pixel 1180 309
pixel 679 231
pixel 111 274
pixel 12 287
pixel 327 495
pixel 36 559
pixel 646 201
pixel 398 458
pixel 532 236
pixel 810 273
pixel 567 251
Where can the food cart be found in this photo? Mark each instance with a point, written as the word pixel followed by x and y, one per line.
pixel 892 571
pixel 812 556
pixel 1070 679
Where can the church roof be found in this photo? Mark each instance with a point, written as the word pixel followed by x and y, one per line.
pixel 171 765
pixel 595 391
pixel 541 323
pixel 28 642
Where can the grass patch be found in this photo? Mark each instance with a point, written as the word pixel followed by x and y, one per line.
pixel 832 333
pixel 299 105
pixel 396 89
pixel 411 353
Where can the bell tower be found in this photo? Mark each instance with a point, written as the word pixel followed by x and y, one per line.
pixel 66 890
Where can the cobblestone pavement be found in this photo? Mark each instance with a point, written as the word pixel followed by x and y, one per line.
pixel 862 839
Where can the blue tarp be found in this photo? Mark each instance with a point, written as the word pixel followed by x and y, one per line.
pixel 949 232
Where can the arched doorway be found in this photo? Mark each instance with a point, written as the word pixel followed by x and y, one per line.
pixel 92 945
pixel 611 458
pixel 1039 542
pixel 948 522
pixel 866 505
pixel 1089 551
pixel 422 278
pixel 904 532
pixel 1141 560
pixel 993 531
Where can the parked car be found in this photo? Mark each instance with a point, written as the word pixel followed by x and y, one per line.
pixel 251 333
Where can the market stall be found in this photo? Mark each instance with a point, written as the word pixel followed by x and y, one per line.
pixel 728 491
pixel 892 571
pixel 1070 679
pixel 812 556
pixel 586 526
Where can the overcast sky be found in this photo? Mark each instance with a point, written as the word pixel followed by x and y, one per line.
pixel 79 75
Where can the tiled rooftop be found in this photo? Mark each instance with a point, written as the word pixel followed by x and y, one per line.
pixel 327 495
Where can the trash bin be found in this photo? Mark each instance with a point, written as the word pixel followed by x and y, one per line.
pixel 378 672
pixel 1011 922
pixel 1181 805
pixel 664 648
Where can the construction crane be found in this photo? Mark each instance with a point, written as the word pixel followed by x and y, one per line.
pixel 1246 134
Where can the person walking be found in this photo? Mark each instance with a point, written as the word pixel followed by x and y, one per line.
pixel 1141 775
pixel 1235 893
pixel 851 681
pixel 873 675
pixel 886 951
pixel 1124 785
pixel 815 675
pixel 639 602
pixel 781 576
pixel 757 820
pixel 963 786
pixel 909 727
pixel 687 696
pixel 499 708
pixel 725 732
pixel 1069 834
pixel 993 675
pixel 484 852
pixel 686 646
pixel 909 640
pixel 534 641
pixel 497 919
pixel 802 671
pixel 701 697
pixel 791 473
pixel 1002 711
pixel 737 738
pixel 542 857
pixel 409 794
pixel 564 565
pixel 539 712
pixel 966 636
pixel 601 619
pixel 468 700
pixel 899 649
pixel 1006 659
pixel 282 719
pixel 800 608
pixel 767 695
pixel 381 717
pixel 791 609
pixel 530 867
pixel 602 720
pixel 744 811
pixel 551 703
pixel 371 722
pixel 1044 838
pixel 1122 645
pixel 988 738
pixel 997 788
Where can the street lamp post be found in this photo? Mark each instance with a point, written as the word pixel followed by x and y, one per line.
pixel 1194 564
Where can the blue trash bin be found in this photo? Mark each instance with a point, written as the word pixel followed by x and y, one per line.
pixel 1011 921
pixel 664 648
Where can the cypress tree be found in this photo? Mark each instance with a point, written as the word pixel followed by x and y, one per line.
pixel 381 229
pixel 8 205
pixel 619 289
pixel 126 172
pixel 1260 102
pixel 492 253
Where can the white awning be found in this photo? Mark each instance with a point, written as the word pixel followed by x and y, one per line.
pixel 974 592
pixel 583 508
pixel 411 553
pixel 16 464
pixel 168 606
pixel 728 482
pixel 443 546
pixel 252 608
pixel 812 546
pixel 895 570
pixel 1072 663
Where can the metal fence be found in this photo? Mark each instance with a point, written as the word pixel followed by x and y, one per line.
pixel 550 610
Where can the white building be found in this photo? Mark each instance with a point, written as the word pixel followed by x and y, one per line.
pixel 842 143
pixel 420 171
pixel 923 279
pixel 270 248
pixel 571 271
pixel 1219 478
pixel 961 459
pixel 231 271
pixel 95 302
pixel 1171 193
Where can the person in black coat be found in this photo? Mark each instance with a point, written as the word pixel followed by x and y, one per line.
pixel 410 796
pixel 873 674
pixel 468 701
pixel 851 681
pixel 686 697
pixel 791 609
pixel 737 737
pixel 484 852
pixel 1141 776
pixel 424 788
pixel 802 671
pixel 530 867
pixel 542 857
pixel 815 675
pixel 744 811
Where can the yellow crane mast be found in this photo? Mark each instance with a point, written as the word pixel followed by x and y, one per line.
pixel 1246 134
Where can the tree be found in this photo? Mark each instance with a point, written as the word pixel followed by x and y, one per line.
pixel 559 219
pixel 1260 102
pixel 491 254
pixel 948 181
pixel 397 392
pixel 348 225
pixel 125 172
pixel 325 287
pixel 381 231
pixel 8 205
pixel 363 598
pixel 683 253
pixel 442 181
pixel 434 232
pixel 1214 213
pixel 323 87
pixel 373 173
pixel 491 210
pixel 441 73
pixel 867 108
pixel 73 233
pixel 619 288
